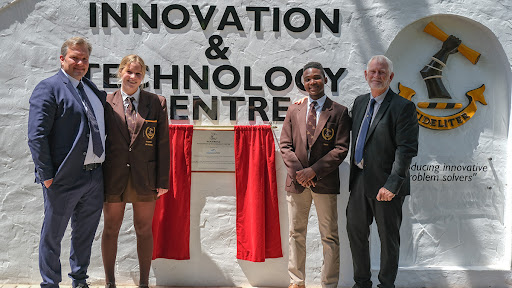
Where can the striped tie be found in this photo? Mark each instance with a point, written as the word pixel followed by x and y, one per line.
pixel 97 145
pixel 130 115
pixel 311 124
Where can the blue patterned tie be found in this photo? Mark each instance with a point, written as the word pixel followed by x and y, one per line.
pixel 97 146
pixel 364 130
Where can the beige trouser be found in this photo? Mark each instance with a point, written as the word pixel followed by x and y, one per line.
pixel 298 215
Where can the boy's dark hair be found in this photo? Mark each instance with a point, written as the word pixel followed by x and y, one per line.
pixel 315 65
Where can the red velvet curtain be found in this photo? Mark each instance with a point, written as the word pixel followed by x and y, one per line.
pixel 257 210
pixel 171 221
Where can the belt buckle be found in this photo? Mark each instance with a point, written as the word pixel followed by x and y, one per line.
pixel 91 166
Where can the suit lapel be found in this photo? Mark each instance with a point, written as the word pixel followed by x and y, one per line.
pixel 324 116
pixel 358 115
pixel 142 111
pixel 72 89
pixel 382 109
pixel 118 106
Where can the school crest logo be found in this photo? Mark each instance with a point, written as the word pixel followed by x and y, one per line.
pixel 454 114
pixel 150 132
pixel 327 133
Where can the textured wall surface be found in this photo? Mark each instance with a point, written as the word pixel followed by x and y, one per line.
pixel 454 233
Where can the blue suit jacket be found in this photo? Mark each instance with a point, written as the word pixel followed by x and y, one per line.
pixel 58 129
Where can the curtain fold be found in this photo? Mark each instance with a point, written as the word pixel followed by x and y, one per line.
pixel 171 221
pixel 257 209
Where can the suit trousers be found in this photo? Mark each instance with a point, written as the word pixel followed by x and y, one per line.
pixel 388 215
pixel 298 215
pixel 82 203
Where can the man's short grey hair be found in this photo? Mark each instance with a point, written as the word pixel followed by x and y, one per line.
pixel 74 41
pixel 381 59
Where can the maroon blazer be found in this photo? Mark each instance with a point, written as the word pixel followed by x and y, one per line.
pixel 329 149
pixel 146 158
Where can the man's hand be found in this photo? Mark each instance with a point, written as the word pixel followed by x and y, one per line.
pixel 308 184
pixel 301 100
pixel 385 195
pixel 161 191
pixel 305 176
pixel 48 183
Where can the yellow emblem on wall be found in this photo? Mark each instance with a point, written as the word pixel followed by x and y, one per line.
pixel 432 76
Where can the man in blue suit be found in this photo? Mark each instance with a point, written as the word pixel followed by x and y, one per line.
pixel 66 136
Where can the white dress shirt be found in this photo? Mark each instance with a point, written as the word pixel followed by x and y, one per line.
pixel 97 106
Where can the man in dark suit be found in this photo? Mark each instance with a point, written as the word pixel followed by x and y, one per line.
pixel 66 136
pixel 314 141
pixel 384 140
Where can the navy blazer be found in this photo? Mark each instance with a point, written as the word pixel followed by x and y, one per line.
pixel 58 129
pixel 391 143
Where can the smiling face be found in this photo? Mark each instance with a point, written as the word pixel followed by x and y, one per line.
pixel 131 77
pixel 76 61
pixel 314 82
pixel 378 77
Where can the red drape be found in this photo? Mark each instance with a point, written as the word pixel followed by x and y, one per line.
pixel 171 221
pixel 257 210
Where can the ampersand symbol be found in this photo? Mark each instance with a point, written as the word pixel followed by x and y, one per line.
pixel 215 42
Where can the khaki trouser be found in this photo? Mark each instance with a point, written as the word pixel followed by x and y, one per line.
pixel 298 215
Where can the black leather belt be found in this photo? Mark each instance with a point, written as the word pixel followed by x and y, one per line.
pixel 92 166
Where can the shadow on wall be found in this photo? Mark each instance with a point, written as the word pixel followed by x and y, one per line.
pixel 186 272
pixel 213 242
pixel 373 39
pixel 450 223
pixel 16 12
pixel 210 237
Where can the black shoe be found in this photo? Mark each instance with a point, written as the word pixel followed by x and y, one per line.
pixel 82 285
pixel 110 285
pixel 362 286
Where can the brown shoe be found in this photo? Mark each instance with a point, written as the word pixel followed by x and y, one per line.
pixel 110 285
pixel 296 286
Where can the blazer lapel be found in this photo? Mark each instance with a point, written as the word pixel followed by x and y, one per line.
pixel 382 109
pixel 118 106
pixel 324 116
pixel 142 111
pixel 302 120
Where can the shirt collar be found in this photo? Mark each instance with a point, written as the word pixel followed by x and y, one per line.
pixel 319 102
pixel 73 81
pixel 135 95
pixel 381 97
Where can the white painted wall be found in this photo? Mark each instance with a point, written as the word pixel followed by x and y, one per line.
pixel 454 235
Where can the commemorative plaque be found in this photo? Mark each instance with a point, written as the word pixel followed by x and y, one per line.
pixel 213 151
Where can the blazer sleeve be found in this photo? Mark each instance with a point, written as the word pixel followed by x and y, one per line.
pixel 43 107
pixel 163 146
pixel 407 130
pixel 332 160
pixel 291 161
